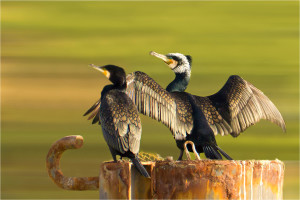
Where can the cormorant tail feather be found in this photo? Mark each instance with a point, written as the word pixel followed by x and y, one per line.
pixel 136 162
pixel 212 153
pixel 224 153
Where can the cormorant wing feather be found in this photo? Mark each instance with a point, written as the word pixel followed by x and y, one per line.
pixel 120 122
pixel 237 106
pixel 94 110
pixel 154 101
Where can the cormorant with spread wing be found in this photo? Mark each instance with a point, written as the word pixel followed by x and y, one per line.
pixel 232 110
pixel 119 117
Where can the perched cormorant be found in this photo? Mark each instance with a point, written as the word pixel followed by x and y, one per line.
pixel 119 117
pixel 232 110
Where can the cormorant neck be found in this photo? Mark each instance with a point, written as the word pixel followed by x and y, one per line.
pixel 180 83
pixel 107 88
pixel 121 86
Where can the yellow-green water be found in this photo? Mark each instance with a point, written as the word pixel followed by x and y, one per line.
pixel 47 85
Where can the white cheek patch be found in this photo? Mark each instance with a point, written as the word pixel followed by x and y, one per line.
pixel 185 65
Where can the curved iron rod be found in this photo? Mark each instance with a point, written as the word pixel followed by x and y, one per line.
pixel 194 150
pixel 53 160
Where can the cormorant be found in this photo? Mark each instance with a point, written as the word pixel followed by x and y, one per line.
pixel 119 117
pixel 232 110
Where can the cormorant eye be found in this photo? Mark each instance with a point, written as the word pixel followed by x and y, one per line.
pixel 176 58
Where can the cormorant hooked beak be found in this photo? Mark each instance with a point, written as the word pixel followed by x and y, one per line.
pixel 101 69
pixel 169 61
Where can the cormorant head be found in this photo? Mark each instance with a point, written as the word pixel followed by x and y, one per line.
pixel 114 73
pixel 178 62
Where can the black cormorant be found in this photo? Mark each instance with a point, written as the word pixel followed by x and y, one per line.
pixel 119 117
pixel 233 109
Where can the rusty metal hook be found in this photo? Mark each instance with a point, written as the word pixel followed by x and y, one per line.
pixel 53 160
pixel 194 150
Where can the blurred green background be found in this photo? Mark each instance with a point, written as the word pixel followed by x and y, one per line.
pixel 47 85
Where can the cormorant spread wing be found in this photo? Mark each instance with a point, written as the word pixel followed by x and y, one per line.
pixel 237 106
pixel 154 101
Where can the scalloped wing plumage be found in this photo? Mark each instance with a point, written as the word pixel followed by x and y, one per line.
pixel 120 122
pixel 184 113
pixel 154 101
pixel 216 121
pixel 237 106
